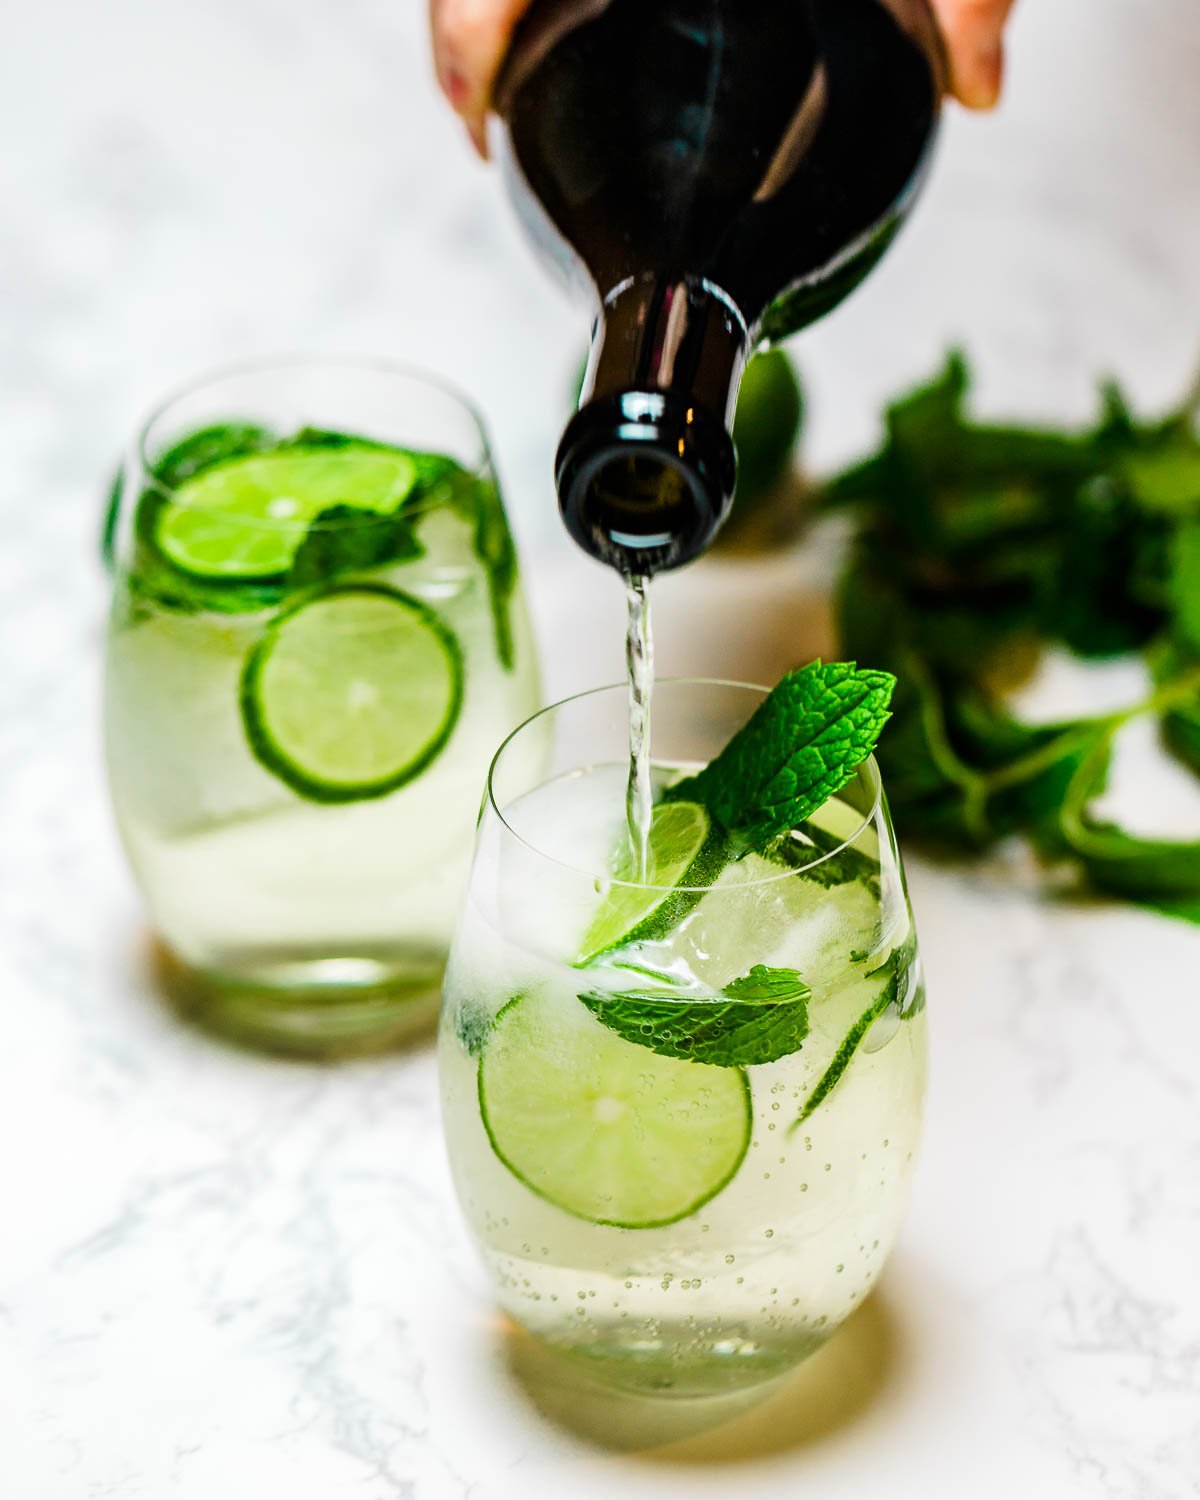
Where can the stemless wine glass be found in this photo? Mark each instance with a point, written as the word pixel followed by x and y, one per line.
pixel 683 1181
pixel 316 638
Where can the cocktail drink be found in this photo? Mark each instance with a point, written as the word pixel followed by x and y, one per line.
pixel 681 1107
pixel 316 639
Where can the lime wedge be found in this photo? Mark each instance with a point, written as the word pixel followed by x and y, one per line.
pixel 246 518
pixel 678 831
pixel 351 694
pixel 608 1131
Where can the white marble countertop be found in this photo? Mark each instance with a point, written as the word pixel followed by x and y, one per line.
pixel 222 1275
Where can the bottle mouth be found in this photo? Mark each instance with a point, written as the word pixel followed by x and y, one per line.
pixel 644 479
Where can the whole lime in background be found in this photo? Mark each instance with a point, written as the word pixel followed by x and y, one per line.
pixel 766 426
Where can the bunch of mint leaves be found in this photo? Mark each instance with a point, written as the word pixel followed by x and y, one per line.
pixel 976 547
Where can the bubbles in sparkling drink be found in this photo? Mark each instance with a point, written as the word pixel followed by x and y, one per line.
pixel 639 666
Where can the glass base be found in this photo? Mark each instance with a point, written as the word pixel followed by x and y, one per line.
pixel 682 1365
pixel 307 1005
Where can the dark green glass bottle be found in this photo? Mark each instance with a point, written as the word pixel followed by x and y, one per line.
pixel 718 173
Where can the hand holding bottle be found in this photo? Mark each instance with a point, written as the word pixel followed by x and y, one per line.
pixel 714 175
pixel 470 38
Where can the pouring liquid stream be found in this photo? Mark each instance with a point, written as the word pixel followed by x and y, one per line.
pixel 639 666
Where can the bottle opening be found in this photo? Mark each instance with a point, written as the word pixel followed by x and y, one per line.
pixel 644 480
pixel 640 500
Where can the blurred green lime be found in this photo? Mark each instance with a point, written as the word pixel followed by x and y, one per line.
pixel 770 412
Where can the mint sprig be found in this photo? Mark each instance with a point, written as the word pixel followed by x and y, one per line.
pixel 800 748
pixel 758 1018
pixel 977 547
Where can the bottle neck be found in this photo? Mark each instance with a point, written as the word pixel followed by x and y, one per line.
pixel 645 469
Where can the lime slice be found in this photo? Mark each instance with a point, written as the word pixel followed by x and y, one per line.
pixel 246 518
pixel 606 1130
pixel 678 831
pixel 353 693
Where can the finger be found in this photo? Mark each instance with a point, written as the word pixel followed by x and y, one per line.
pixel 470 38
pixel 974 31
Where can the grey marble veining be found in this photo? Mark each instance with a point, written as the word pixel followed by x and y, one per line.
pixel 225 1275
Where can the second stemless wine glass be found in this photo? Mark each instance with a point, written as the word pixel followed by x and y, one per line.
pixel 680 1219
pixel 316 638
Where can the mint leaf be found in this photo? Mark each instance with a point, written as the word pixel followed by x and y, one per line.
pixel 1181 732
pixel 1181 722
pixel 843 1057
pixel 1164 475
pixel 473 1025
pixel 112 516
pixel 896 972
pixel 836 863
pixel 345 538
pixel 207 446
pixel 478 502
pixel 760 1018
pixel 1185 584
pixel 799 749
pixel 1182 908
pixel 149 579
pixel 941 479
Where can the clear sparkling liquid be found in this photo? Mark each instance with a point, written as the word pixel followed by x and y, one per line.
pixel 639 668
pixel 736 1293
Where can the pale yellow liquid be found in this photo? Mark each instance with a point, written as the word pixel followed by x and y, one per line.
pixel 250 882
pixel 764 1272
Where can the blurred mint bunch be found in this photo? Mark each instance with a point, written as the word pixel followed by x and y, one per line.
pixel 975 547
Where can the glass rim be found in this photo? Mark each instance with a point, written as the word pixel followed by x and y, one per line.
pixel 482 470
pixel 868 768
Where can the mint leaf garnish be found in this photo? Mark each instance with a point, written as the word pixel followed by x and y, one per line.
pixel 823 858
pixel 473 1025
pixel 895 972
pixel 345 539
pixel 478 502
pixel 758 1018
pixel 843 1057
pixel 799 749
pixel 202 449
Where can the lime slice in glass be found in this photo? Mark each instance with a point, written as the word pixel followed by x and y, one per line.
pixel 246 518
pixel 678 833
pixel 608 1131
pixel 353 693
